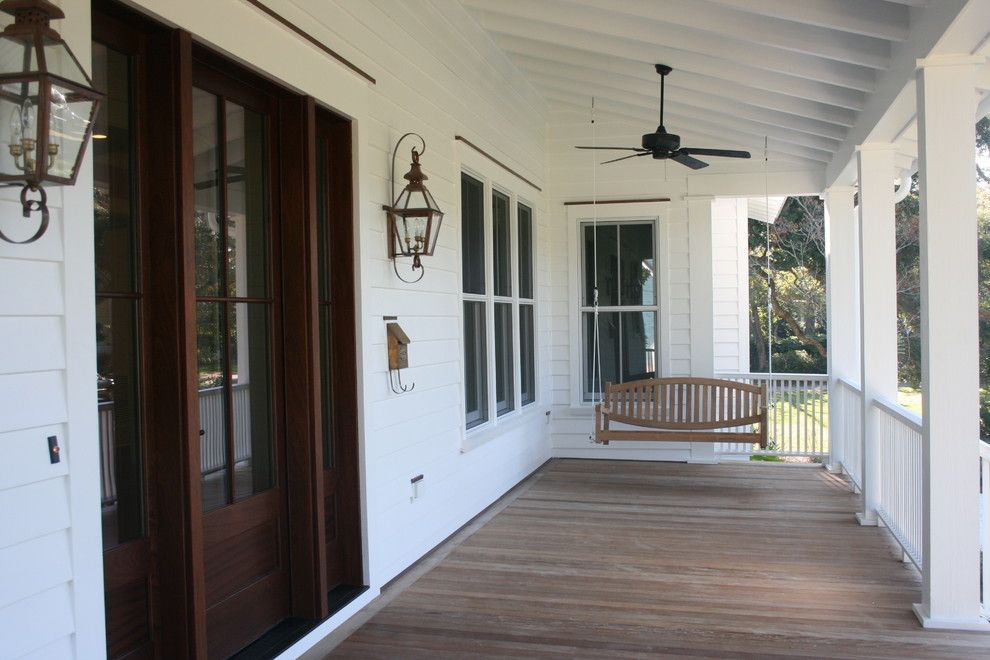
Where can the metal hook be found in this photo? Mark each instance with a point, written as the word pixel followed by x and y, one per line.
pixel 402 389
pixel 29 206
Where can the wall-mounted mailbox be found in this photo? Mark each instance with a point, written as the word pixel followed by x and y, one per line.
pixel 398 355
pixel 398 343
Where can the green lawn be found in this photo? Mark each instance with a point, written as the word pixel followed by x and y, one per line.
pixel 910 398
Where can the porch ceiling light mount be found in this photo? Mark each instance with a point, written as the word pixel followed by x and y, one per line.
pixel 47 106
pixel 414 217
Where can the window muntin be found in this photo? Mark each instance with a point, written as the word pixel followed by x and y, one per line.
pixel 628 303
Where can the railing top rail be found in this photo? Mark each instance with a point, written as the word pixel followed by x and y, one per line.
pixel 985 449
pixel 776 376
pixel 852 386
pixel 900 413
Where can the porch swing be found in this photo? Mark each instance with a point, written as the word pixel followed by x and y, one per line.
pixel 679 409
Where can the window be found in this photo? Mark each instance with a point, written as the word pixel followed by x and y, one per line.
pixel 500 362
pixel 627 302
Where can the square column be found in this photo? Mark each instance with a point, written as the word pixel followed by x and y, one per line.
pixel 878 307
pixel 842 292
pixel 950 596
pixel 702 290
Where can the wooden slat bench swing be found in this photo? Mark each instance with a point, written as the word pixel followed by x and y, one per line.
pixel 682 410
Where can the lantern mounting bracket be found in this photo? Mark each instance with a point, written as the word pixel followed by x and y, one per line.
pixel 29 206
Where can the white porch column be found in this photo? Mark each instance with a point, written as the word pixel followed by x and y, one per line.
pixel 702 303
pixel 842 291
pixel 950 596
pixel 878 306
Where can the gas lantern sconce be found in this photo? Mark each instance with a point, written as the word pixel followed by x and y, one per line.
pixel 47 107
pixel 414 218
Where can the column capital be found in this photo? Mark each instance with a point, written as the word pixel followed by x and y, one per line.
pixel 951 59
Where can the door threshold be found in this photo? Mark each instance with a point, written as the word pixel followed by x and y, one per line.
pixel 291 630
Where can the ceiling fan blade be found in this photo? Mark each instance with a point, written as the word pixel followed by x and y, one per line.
pixel 616 148
pixel 685 159
pixel 614 160
pixel 724 153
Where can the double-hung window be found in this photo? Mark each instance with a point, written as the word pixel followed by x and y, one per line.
pixel 499 304
pixel 628 305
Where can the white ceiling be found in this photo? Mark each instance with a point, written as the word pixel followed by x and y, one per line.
pixel 798 72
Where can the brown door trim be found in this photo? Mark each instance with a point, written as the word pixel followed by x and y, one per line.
pixel 171 356
pixel 304 449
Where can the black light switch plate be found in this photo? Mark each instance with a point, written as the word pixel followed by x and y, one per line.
pixel 53 449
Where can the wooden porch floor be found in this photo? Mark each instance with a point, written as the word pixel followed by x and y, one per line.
pixel 616 558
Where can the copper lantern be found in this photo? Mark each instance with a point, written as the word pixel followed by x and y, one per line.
pixel 47 104
pixel 414 218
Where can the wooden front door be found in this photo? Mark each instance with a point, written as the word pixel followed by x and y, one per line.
pixel 338 346
pixel 238 347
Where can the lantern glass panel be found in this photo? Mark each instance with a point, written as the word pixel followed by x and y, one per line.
pixel 414 234
pixel 17 55
pixel 60 62
pixel 68 123
pixel 19 129
pixel 434 232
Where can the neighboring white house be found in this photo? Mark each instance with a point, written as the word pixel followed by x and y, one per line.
pixel 282 116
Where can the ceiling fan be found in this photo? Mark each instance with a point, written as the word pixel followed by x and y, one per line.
pixel 662 145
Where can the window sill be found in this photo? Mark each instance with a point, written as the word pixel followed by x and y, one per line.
pixel 505 424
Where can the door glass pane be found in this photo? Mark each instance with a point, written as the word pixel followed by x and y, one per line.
pixel 247 219
pixel 251 385
pixel 118 392
pixel 500 244
pixel 608 328
pixel 608 265
pixel 639 346
pixel 475 359
pixel 115 226
pixel 206 178
pixel 636 265
pixel 527 354
pixel 525 222
pixel 473 234
pixel 504 358
pixel 212 404
pixel 326 385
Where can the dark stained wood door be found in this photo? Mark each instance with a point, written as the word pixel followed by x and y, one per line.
pixel 238 351
pixel 338 350
pixel 118 68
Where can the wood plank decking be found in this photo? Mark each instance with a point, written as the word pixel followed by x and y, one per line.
pixel 625 559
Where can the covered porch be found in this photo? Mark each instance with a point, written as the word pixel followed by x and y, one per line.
pixel 605 558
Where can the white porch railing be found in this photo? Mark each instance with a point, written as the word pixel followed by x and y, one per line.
pixel 797 421
pixel 212 447
pixel 899 506
pixel 848 398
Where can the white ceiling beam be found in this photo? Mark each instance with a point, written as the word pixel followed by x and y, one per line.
pixel 599 27
pixel 873 19
pixel 932 30
pixel 582 63
pixel 731 130
pixel 731 24
pixel 543 36
pixel 604 85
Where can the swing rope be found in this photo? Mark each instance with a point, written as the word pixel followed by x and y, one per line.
pixel 596 369
pixel 766 200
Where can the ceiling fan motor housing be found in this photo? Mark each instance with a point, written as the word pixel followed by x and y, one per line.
pixel 661 141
